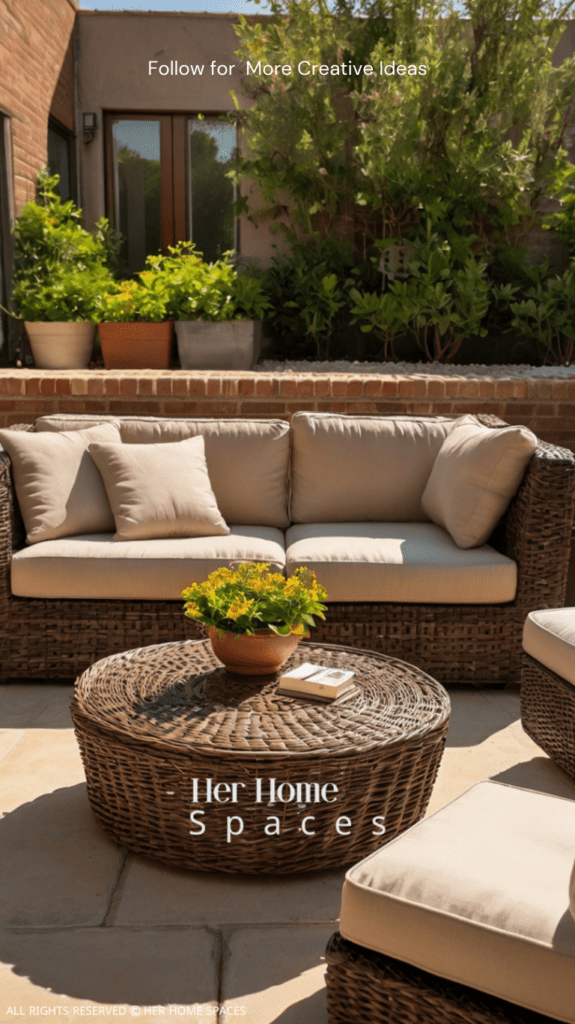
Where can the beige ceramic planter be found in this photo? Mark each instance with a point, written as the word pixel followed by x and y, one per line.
pixel 136 346
pixel 257 655
pixel 61 346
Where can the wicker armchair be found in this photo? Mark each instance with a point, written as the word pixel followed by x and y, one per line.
pixel 480 644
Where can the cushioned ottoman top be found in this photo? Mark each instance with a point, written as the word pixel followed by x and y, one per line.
pixel 549 637
pixel 477 893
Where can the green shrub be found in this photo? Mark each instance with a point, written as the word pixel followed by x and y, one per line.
pixel 61 270
pixel 545 313
pixel 310 311
pixel 194 290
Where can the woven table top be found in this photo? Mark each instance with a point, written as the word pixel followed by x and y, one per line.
pixel 179 695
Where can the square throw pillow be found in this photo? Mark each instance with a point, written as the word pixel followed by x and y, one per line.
pixel 572 893
pixel 159 490
pixel 476 473
pixel 58 487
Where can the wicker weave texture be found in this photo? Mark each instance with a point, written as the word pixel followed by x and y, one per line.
pixel 479 644
pixel 374 989
pixel 548 712
pixel 151 721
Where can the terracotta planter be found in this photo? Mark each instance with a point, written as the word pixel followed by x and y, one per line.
pixel 258 655
pixel 61 346
pixel 136 346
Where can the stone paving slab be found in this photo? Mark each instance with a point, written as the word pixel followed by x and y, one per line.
pixel 153 893
pixel 277 974
pixel 107 971
pixel 58 866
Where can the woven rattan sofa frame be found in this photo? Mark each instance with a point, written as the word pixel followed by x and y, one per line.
pixel 479 644
pixel 375 989
pixel 548 712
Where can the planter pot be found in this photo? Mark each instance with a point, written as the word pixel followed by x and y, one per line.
pixel 224 345
pixel 136 346
pixel 258 655
pixel 61 346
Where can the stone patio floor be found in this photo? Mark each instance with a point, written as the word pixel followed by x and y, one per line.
pixel 87 929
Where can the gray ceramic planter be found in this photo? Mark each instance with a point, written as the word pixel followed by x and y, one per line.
pixel 225 345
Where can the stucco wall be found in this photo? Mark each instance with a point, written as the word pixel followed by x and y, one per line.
pixel 114 49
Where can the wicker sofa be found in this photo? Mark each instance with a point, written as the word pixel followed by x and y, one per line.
pixel 48 631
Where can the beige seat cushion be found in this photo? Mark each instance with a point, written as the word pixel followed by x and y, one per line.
pixel 477 893
pixel 143 570
pixel 549 637
pixel 475 475
pixel 59 489
pixel 411 562
pixel 247 460
pixel 159 490
pixel 362 468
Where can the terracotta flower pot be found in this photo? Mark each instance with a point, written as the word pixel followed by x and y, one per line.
pixel 136 346
pixel 258 655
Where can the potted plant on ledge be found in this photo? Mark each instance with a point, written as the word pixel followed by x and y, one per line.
pixel 216 308
pixel 61 278
pixel 135 332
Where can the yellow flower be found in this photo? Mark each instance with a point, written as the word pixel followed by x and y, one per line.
pixel 292 586
pixel 222 575
pixel 192 609
pixel 238 607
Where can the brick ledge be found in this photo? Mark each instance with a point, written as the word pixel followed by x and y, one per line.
pixel 546 405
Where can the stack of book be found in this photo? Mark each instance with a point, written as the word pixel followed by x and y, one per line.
pixel 316 682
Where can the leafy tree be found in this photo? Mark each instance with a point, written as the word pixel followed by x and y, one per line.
pixel 471 146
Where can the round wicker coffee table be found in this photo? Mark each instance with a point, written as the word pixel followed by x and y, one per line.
pixel 211 771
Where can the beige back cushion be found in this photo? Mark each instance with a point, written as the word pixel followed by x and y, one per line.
pixel 159 490
pixel 362 468
pixel 58 487
pixel 476 473
pixel 247 460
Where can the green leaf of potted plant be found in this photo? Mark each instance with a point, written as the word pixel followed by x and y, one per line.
pixel 255 619
pixel 60 277
pixel 216 308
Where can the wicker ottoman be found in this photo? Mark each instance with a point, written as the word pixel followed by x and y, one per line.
pixel 203 769
pixel 462 920
pixel 548 683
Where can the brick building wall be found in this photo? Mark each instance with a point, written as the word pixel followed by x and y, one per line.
pixel 36 80
pixel 547 405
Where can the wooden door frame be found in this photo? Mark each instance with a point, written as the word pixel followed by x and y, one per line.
pixel 173 169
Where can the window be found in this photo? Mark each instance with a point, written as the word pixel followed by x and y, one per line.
pixel 166 181
pixel 61 159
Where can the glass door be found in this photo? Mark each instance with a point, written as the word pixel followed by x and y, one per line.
pixel 166 181
pixel 211 150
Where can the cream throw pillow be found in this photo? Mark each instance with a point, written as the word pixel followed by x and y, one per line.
pixel 572 893
pixel 59 489
pixel 474 477
pixel 159 490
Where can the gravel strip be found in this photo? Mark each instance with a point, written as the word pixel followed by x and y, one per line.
pixel 519 372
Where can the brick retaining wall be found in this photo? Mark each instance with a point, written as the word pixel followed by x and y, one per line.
pixel 545 405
